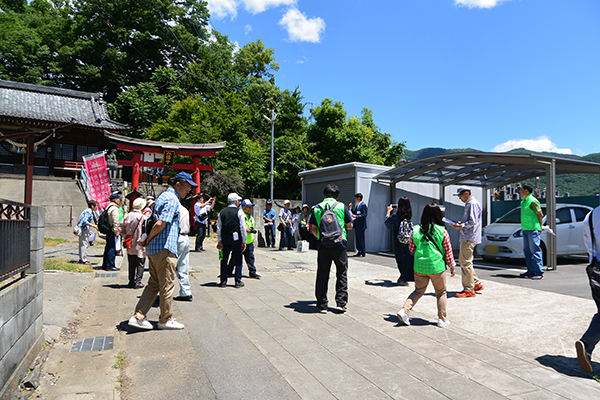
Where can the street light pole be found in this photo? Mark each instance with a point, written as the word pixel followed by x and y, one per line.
pixel 272 121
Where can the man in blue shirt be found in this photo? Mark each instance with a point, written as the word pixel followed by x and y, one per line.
pixel 269 216
pixel 161 249
pixel 359 215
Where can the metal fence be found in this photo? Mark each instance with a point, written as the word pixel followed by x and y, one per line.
pixel 15 221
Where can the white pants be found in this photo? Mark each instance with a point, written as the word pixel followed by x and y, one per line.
pixel 183 260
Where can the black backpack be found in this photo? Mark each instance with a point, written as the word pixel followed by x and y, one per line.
pixel 330 230
pixel 103 223
pixel 149 222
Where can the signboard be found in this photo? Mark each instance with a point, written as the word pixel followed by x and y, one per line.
pixel 168 158
pixel 98 183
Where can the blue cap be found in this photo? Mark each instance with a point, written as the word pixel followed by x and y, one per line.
pixel 247 202
pixel 187 177
pixel 115 196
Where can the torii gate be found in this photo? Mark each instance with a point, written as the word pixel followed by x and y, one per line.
pixel 140 146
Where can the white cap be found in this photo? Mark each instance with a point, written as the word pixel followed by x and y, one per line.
pixel 286 202
pixel 233 197
pixel 462 189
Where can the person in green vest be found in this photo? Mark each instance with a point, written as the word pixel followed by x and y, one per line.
pixel 250 232
pixel 531 226
pixel 332 235
pixel 431 246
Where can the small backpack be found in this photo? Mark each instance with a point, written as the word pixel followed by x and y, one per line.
pixel 405 231
pixel 330 229
pixel 148 223
pixel 103 222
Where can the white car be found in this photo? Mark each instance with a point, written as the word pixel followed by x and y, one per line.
pixel 504 238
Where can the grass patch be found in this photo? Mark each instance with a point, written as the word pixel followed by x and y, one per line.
pixel 53 242
pixel 120 364
pixel 58 264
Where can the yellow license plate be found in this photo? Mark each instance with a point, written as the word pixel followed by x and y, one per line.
pixel 491 249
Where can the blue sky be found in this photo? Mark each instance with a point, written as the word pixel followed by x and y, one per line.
pixel 487 74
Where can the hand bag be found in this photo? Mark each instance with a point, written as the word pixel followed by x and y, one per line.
pixel 127 241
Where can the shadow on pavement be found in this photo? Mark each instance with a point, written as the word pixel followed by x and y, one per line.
pixel 304 306
pixel 124 327
pixel 413 320
pixel 566 365
pixel 116 286
pixel 507 276
pixel 380 282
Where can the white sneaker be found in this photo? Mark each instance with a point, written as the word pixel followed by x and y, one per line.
pixel 403 317
pixel 442 324
pixel 140 323
pixel 171 325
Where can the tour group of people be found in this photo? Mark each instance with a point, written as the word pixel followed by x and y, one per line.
pixel 423 252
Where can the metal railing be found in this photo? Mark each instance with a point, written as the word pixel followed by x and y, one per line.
pixel 15 230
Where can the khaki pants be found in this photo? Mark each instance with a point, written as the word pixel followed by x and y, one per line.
pixel 469 277
pixel 161 266
pixel 421 282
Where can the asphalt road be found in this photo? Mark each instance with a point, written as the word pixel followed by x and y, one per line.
pixel 569 278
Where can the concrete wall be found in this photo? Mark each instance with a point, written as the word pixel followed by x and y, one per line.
pixel 21 304
pixel 257 212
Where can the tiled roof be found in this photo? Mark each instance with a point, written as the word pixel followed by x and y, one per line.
pixel 26 102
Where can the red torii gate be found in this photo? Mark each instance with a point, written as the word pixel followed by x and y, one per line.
pixel 140 146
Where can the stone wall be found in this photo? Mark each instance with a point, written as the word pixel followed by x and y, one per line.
pixel 21 305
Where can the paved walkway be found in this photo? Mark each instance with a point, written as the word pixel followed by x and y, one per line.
pixel 267 340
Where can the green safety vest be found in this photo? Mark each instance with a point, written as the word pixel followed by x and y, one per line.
pixel 249 224
pixel 529 219
pixel 428 259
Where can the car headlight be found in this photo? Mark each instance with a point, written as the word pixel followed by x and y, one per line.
pixel 518 233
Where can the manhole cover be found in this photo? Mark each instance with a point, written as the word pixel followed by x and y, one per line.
pixel 98 343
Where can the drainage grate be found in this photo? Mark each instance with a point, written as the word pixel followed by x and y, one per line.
pixel 106 275
pixel 98 343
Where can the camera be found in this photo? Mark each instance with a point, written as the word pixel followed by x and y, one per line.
pixel 252 230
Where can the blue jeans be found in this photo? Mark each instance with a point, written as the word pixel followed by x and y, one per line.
pixel 286 238
pixel 110 251
pixel 270 235
pixel 533 252
pixel 249 257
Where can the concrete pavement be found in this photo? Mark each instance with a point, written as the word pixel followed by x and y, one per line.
pixel 267 340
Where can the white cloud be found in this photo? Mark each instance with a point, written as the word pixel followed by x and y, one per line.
pixel 542 143
pixel 222 8
pixel 247 29
pixel 302 61
pixel 258 6
pixel 478 3
pixel 302 29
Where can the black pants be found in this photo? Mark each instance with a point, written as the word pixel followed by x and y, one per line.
pixel 404 261
pixel 136 269
pixel 235 250
pixel 339 256
pixel 591 337
pixel 359 234
pixel 201 235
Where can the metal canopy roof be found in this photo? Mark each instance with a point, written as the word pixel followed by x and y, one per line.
pixel 484 169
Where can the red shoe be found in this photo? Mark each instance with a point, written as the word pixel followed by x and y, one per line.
pixel 478 287
pixel 464 293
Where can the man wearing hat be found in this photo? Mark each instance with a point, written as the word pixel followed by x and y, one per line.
pixel 285 218
pixel 269 216
pixel 470 236
pixel 231 234
pixel 250 231
pixel 161 249
pixel 110 250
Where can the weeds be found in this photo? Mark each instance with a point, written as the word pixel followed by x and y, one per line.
pixel 58 264
pixel 48 242
pixel 120 364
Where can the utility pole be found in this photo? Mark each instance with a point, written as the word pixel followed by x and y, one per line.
pixel 272 121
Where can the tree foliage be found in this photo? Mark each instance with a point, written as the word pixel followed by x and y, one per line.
pixel 171 79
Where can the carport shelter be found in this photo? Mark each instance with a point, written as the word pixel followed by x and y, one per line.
pixel 491 170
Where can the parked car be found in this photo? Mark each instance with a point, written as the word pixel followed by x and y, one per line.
pixel 504 237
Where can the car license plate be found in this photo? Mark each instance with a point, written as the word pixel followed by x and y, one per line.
pixel 491 249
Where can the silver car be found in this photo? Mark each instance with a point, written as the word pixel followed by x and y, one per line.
pixel 504 237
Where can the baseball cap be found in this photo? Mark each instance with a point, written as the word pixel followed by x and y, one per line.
pixel 187 177
pixel 233 197
pixel 247 202
pixel 115 196
pixel 462 189
pixel 286 202
pixel 269 201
